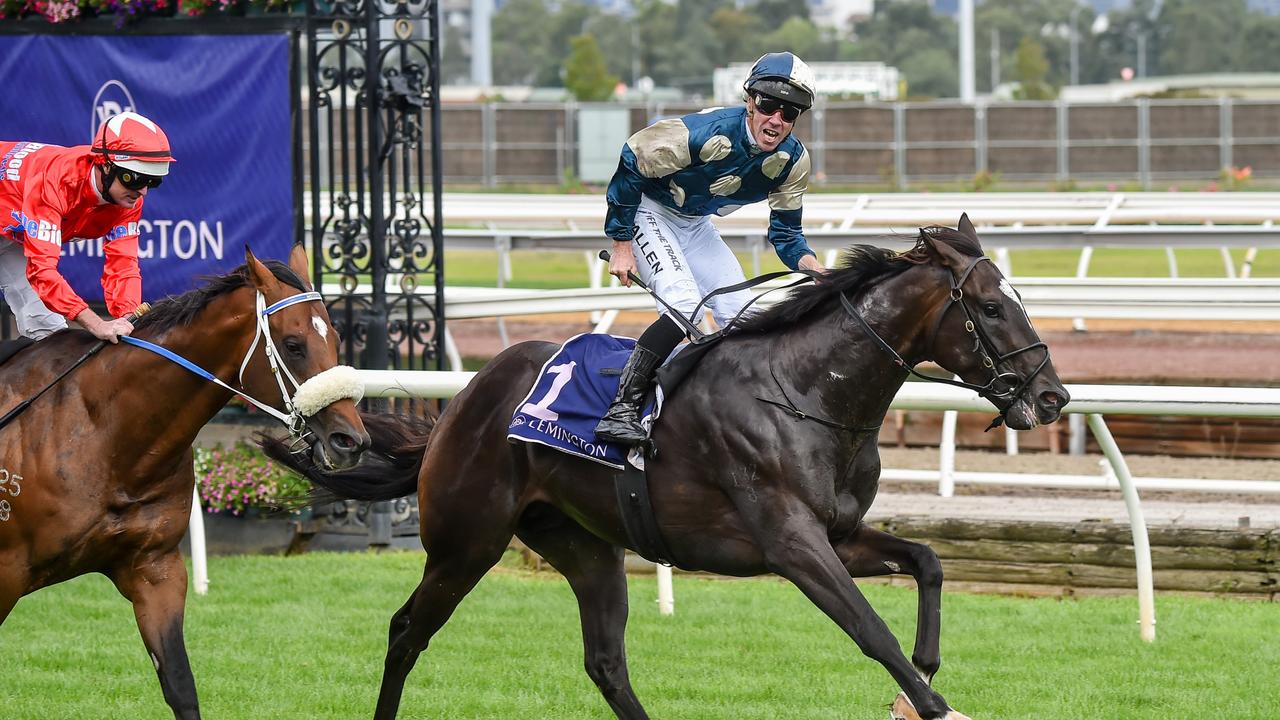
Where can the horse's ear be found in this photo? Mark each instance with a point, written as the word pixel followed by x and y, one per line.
pixel 966 227
pixel 301 264
pixel 941 251
pixel 261 277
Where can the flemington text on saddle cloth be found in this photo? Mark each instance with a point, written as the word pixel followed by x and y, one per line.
pixel 572 393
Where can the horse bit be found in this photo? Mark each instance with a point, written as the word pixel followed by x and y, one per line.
pixel 309 397
pixel 982 344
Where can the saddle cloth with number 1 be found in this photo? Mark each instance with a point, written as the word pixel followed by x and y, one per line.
pixel 572 393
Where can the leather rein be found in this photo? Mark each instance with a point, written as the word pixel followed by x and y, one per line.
pixel 1013 384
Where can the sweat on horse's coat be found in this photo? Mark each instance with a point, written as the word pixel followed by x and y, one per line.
pixel 739 487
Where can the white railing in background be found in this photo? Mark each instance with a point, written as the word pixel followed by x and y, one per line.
pixel 900 211
pixel 1093 401
pixel 1095 298
pixel 835 220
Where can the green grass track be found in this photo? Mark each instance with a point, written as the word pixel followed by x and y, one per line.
pixel 304 637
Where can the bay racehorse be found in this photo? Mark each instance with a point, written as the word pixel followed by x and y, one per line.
pixel 96 474
pixel 766 461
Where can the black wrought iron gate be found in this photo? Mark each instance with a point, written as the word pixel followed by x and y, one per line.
pixel 375 177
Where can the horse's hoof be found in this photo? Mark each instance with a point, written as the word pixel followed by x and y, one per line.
pixel 902 709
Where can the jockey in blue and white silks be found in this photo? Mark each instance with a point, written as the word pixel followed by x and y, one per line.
pixel 672 177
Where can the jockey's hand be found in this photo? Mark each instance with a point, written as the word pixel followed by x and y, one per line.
pixel 622 261
pixel 809 262
pixel 109 330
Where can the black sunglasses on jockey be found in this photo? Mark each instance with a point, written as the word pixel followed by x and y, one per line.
pixel 769 105
pixel 134 180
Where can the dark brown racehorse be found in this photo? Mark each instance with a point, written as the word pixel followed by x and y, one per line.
pixel 96 475
pixel 740 486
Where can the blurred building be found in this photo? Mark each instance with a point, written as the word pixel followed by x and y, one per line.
pixel 1243 86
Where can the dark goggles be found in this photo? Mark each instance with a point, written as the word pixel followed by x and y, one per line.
pixel 136 180
pixel 769 105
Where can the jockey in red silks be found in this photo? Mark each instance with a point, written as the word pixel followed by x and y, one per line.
pixel 50 195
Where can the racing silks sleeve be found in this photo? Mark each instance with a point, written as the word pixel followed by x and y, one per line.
pixel 121 278
pixel 42 244
pixel 786 233
pixel 654 152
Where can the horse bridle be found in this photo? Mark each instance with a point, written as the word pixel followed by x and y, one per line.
pixel 983 345
pixel 309 397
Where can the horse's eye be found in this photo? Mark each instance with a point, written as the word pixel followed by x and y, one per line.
pixel 295 348
pixel 991 310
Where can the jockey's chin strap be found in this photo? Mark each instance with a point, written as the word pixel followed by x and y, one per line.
pixel 308 398
pixel 1012 382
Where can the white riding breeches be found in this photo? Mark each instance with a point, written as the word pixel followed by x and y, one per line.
pixel 682 258
pixel 34 319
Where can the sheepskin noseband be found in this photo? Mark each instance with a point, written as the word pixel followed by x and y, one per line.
pixel 328 387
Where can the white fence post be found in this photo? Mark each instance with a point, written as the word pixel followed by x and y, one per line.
pixel 666 593
pixel 947 455
pixel 199 555
pixel 1137 523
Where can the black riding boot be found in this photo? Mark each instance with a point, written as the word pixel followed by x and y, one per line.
pixel 621 424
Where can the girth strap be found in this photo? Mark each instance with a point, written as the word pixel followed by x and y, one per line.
pixel 636 509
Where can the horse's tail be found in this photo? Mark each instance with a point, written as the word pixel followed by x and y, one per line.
pixel 388 470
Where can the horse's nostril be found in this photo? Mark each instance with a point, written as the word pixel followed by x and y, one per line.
pixel 1052 399
pixel 342 442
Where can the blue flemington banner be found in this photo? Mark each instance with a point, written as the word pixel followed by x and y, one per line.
pixel 224 103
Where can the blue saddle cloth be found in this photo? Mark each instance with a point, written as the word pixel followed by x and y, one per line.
pixel 571 394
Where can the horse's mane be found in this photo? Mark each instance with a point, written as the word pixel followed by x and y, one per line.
pixel 859 266
pixel 177 310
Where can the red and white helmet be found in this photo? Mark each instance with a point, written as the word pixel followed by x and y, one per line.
pixel 133 142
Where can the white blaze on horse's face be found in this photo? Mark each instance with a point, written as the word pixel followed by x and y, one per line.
pixel 1007 289
pixel 1012 294
pixel 321 326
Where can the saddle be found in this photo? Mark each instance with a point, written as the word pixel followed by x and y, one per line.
pixel 567 400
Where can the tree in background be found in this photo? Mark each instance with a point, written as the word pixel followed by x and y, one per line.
pixel 520 50
pixel 455 60
pixel 681 42
pixel 1031 68
pixel 585 72
pixel 737 33
pixel 1258 47
pixel 773 13
pixel 908 35
pixel 1199 37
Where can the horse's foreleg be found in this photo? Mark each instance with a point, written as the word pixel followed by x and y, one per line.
pixel 13 584
pixel 445 581
pixel 157 587
pixel 869 552
pixel 593 568
pixel 799 550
